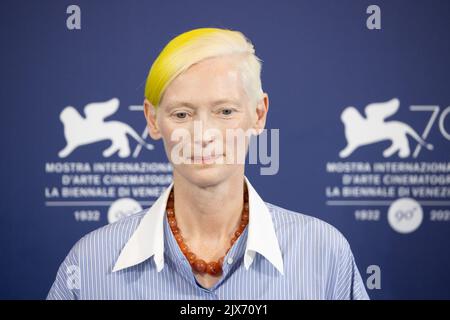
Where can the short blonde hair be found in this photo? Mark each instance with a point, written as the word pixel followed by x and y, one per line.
pixel 195 45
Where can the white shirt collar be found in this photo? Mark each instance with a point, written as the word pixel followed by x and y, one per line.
pixel 148 238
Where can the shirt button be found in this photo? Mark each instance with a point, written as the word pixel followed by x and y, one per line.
pixel 230 260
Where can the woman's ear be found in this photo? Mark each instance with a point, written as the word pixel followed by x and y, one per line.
pixel 262 108
pixel 150 116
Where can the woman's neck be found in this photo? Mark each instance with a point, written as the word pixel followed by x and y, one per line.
pixel 209 213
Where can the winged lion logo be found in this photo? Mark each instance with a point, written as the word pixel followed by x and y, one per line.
pixel 80 131
pixel 361 131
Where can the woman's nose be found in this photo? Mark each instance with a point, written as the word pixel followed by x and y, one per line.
pixel 205 132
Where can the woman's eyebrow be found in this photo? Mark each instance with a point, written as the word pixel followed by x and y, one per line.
pixel 192 105
pixel 180 104
pixel 223 101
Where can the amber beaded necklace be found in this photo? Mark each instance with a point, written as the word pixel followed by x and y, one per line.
pixel 214 267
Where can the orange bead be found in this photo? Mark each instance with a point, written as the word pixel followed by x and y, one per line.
pixel 200 265
pixel 246 207
pixel 237 233
pixel 245 217
pixel 233 240
pixel 213 268
pixel 241 228
pixel 184 248
pixel 178 237
pixel 175 230
pixel 191 257
pixel 172 222
pixel 170 212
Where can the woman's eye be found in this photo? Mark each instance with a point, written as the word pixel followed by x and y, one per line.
pixel 181 115
pixel 227 112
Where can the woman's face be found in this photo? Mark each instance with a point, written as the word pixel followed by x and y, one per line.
pixel 205 119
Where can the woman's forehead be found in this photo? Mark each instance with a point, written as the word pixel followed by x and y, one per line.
pixel 210 80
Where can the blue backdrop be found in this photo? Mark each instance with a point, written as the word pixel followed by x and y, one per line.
pixel 319 59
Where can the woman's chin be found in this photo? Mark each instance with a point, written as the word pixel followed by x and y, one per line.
pixel 204 176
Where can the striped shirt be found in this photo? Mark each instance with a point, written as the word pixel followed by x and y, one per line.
pixel 280 255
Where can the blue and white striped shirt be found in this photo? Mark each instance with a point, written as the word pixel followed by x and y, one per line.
pixel 280 255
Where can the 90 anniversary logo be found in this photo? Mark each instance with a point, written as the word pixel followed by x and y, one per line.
pixel 402 185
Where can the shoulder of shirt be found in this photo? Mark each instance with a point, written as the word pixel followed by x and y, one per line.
pixel 117 233
pixel 315 230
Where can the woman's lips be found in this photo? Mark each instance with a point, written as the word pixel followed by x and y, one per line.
pixel 205 159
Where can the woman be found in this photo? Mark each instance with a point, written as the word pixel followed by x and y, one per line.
pixel 210 235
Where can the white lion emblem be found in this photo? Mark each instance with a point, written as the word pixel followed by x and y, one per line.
pixel 360 131
pixel 80 131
